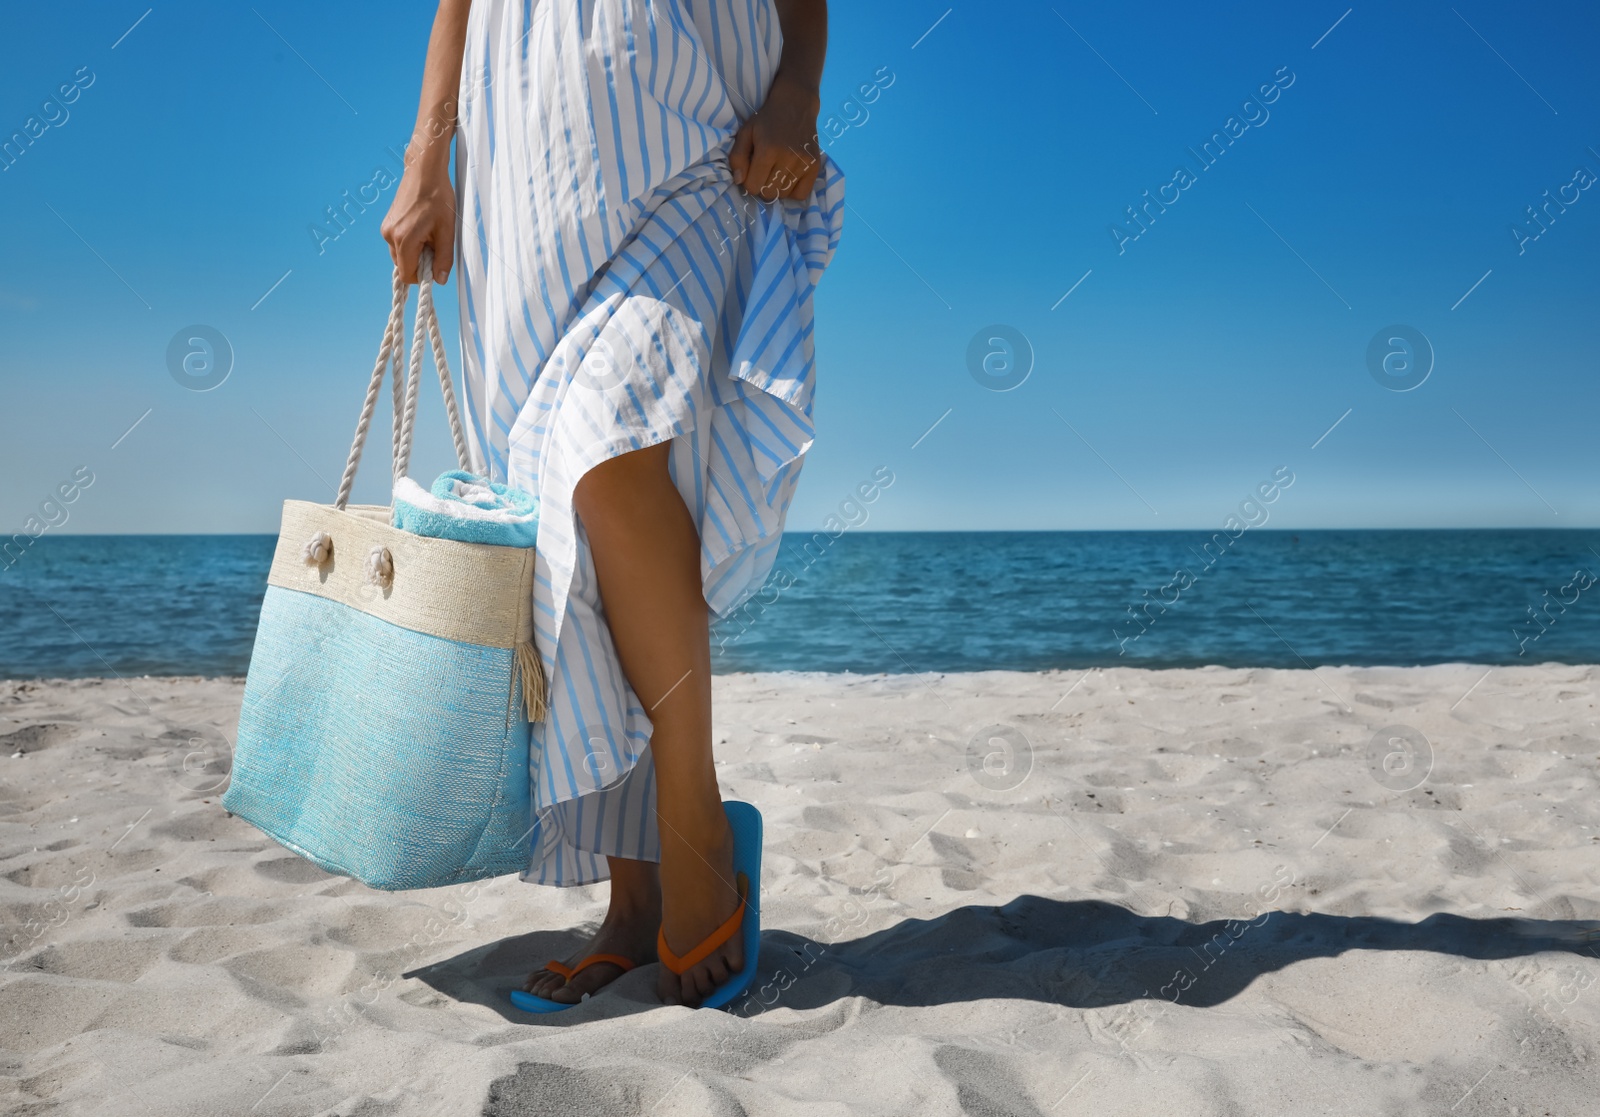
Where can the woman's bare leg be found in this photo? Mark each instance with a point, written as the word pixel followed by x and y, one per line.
pixel 647 559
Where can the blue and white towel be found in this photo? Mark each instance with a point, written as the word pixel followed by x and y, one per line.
pixel 467 508
pixel 618 290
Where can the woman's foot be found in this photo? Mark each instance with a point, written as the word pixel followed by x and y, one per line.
pixel 699 893
pixel 629 929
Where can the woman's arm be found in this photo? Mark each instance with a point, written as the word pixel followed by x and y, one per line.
pixel 776 153
pixel 424 209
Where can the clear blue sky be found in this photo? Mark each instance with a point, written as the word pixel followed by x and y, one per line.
pixel 1378 189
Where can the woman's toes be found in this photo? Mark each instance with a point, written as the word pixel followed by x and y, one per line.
pixel 588 981
pixel 697 984
pixel 717 970
pixel 542 983
pixel 706 983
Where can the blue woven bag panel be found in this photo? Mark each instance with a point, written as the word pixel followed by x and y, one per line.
pixel 380 753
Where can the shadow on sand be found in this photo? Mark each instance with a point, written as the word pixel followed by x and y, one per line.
pixel 1074 953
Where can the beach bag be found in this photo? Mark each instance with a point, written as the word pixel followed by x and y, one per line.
pixel 385 728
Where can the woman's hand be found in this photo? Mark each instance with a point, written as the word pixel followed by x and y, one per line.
pixel 423 213
pixel 776 153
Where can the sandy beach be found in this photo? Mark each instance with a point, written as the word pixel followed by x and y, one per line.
pixel 1214 891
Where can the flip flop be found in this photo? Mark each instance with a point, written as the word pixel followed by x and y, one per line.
pixel 530 1003
pixel 745 821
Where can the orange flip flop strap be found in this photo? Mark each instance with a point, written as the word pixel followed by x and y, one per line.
pixel 569 972
pixel 618 960
pixel 700 953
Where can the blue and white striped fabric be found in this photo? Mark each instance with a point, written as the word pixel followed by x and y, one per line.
pixel 619 290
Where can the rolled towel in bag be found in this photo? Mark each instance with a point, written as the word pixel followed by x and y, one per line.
pixel 468 508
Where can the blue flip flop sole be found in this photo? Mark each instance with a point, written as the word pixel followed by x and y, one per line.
pixel 745 822
pixel 527 1002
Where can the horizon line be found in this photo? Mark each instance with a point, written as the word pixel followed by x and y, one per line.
pixel 914 531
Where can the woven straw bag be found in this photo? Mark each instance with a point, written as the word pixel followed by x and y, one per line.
pixel 386 720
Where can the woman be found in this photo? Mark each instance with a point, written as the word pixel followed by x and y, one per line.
pixel 643 213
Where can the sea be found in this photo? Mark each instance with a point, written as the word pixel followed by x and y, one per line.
pixel 912 602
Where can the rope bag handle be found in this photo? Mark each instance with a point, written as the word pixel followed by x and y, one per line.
pixel 405 383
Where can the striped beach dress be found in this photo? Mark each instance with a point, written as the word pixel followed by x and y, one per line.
pixel 618 290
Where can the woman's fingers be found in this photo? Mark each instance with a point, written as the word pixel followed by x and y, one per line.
pixel 793 175
pixel 764 171
pixel 444 245
pixel 408 251
pixel 739 156
pixel 805 178
pixel 771 170
pixel 406 245
pixel 391 237
pixel 411 259
pixel 758 180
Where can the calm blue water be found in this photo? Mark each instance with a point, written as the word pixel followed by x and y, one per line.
pixel 867 602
